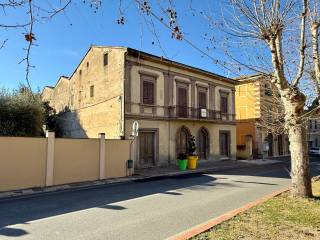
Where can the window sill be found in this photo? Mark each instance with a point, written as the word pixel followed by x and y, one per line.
pixel 147 105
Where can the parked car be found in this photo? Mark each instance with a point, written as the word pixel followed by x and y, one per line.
pixel 314 151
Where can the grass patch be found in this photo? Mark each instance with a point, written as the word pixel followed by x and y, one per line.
pixel 281 218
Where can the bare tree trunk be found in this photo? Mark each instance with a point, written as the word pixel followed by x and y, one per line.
pixel 300 169
pixel 300 173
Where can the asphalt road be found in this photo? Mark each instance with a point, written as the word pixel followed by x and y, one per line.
pixel 139 210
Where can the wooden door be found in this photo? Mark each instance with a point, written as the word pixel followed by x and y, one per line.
pixel 203 144
pixel 280 145
pixel 146 149
pixel 225 144
pixel 202 104
pixel 182 103
pixel 182 141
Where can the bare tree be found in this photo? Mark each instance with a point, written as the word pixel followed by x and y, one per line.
pixel 278 24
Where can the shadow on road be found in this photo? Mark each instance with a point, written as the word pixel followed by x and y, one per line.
pixel 12 232
pixel 25 210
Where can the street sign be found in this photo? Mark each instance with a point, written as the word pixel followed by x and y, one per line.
pixel 135 129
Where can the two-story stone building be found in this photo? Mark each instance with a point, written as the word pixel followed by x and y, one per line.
pixel 114 86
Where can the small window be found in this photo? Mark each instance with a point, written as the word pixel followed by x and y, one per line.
pixel 148 92
pixel 224 104
pixel 105 59
pixel 87 64
pixel 80 72
pixel 91 91
pixel 267 90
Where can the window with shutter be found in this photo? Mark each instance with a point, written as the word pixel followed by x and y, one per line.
pixel 182 108
pixel 202 99
pixel 224 104
pixel 148 92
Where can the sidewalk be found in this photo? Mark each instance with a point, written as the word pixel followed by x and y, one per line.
pixel 203 167
pixel 153 173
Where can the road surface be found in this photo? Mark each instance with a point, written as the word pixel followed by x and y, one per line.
pixel 139 210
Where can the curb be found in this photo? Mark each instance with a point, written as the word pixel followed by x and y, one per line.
pixel 45 191
pixel 185 235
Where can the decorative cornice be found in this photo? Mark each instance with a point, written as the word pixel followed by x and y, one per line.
pixel 180 80
pixel 152 74
pixel 177 74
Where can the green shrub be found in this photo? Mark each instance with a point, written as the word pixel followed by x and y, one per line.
pixel 21 113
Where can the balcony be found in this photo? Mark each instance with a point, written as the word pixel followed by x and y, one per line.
pixel 182 112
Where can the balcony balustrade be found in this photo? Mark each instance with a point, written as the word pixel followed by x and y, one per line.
pixel 182 112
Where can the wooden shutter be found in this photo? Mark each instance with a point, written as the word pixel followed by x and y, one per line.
pixel 202 99
pixel 224 104
pixel 182 97
pixel 148 92
pixel 182 103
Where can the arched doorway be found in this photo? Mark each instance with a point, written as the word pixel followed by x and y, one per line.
pixel 203 143
pixel 182 137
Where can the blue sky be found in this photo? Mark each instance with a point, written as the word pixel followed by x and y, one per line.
pixel 62 41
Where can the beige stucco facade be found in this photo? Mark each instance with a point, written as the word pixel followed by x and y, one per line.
pixel 117 101
pixel 161 117
pixel 167 134
pixel 22 162
pixel 25 162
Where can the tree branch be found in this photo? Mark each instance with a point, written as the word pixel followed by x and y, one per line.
pixel 3 43
pixel 302 43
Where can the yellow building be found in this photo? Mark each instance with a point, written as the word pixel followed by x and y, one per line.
pixel 114 86
pixel 260 132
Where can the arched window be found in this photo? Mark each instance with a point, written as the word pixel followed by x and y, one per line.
pixel 183 134
pixel 203 143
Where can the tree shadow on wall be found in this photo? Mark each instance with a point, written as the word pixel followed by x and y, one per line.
pixel 68 125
